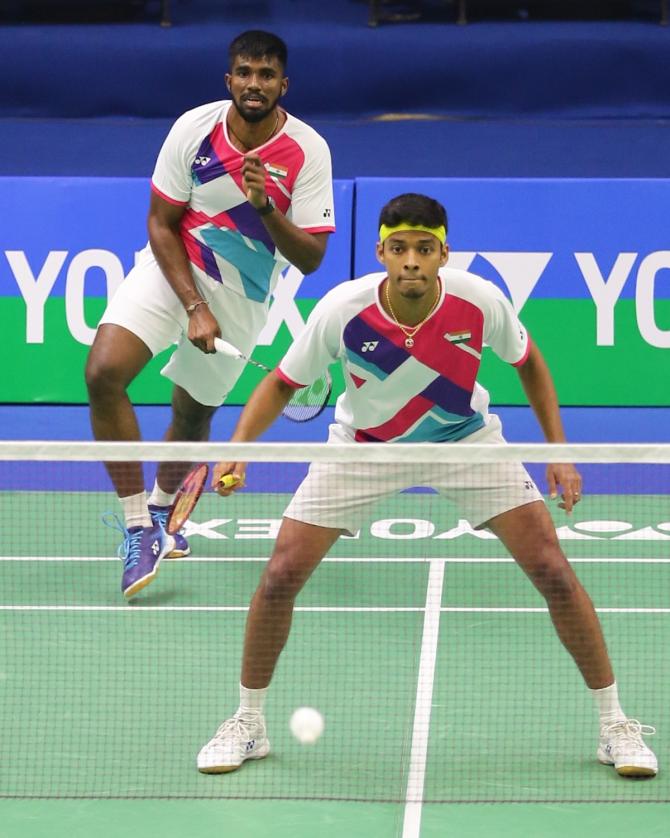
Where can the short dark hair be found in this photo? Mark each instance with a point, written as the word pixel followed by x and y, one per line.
pixel 415 209
pixel 255 43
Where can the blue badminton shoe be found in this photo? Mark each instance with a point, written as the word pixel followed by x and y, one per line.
pixel 159 515
pixel 141 551
pixel 143 547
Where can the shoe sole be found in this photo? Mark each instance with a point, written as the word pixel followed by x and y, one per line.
pixel 226 769
pixel 635 771
pixel 136 587
pixel 630 770
pixel 178 554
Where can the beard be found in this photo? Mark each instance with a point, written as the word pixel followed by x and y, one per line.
pixel 254 115
pixel 414 292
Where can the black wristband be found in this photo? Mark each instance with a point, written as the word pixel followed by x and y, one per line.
pixel 268 208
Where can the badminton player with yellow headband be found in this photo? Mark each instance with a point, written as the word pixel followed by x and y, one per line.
pixel 409 340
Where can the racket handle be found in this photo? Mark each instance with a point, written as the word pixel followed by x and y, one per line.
pixel 226 348
pixel 228 480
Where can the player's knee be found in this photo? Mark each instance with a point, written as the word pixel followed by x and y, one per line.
pixel 192 425
pixel 282 580
pixel 554 578
pixel 102 380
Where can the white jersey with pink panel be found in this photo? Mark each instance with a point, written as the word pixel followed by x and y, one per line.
pixel 225 238
pixel 424 392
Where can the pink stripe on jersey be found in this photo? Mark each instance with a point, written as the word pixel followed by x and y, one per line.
pixel 286 153
pixel 523 360
pixel 431 347
pixel 318 229
pixel 194 252
pixel 287 380
pixel 283 152
pixel 167 198
pixel 194 218
pixel 404 419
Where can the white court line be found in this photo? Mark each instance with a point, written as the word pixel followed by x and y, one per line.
pixel 337 559
pixel 423 702
pixel 129 609
pixel 345 609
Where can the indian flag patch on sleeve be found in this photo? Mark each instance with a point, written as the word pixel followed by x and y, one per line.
pixel 275 170
pixel 462 336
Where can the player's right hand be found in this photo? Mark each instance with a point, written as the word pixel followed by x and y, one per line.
pixel 203 327
pixel 228 478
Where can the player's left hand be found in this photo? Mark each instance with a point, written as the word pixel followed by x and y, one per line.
pixel 565 476
pixel 236 473
pixel 253 180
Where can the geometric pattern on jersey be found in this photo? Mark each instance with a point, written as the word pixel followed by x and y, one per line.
pixel 436 375
pixel 235 242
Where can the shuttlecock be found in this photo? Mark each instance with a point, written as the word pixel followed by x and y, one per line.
pixel 306 725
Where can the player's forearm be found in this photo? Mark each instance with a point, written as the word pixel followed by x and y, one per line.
pixel 539 388
pixel 168 248
pixel 264 406
pixel 302 249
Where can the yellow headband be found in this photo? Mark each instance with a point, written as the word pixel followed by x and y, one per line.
pixel 439 232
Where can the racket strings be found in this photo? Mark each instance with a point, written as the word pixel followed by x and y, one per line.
pixel 186 498
pixel 308 402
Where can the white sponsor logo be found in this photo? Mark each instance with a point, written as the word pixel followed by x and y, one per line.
pixel 520 272
pixel 412 529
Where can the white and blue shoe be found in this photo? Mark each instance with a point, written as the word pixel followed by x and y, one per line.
pixel 141 551
pixel 621 745
pixel 238 739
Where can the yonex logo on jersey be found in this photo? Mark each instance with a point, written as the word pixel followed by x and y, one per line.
pixel 369 346
pixel 202 161
pixel 327 213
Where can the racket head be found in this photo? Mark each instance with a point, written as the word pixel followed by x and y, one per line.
pixel 308 402
pixel 186 498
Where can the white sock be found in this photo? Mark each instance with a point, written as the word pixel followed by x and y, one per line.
pixel 135 510
pixel 607 702
pixel 160 498
pixel 252 701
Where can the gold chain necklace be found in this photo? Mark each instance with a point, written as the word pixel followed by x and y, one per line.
pixel 250 147
pixel 411 332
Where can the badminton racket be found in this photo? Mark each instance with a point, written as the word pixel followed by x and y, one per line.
pixel 306 402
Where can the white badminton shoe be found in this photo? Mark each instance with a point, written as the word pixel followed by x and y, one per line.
pixel 238 739
pixel 622 746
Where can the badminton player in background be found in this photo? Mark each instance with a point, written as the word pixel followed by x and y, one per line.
pixel 409 341
pixel 241 189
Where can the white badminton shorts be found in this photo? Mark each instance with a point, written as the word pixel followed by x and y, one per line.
pixel 341 495
pixel 146 305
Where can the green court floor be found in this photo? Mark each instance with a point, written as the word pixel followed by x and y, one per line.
pixel 450 706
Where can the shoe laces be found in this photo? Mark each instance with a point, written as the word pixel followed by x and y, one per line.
pixel 628 731
pixel 129 549
pixel 160 514
pixel 242 725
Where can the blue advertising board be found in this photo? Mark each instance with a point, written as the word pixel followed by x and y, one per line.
pixel 66 245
